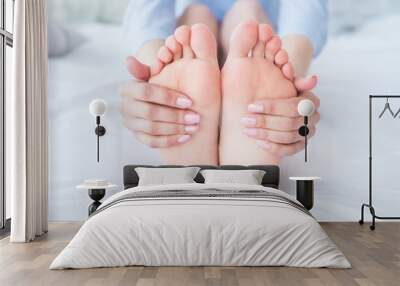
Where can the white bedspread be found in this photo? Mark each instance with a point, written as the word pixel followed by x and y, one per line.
pixel 200 231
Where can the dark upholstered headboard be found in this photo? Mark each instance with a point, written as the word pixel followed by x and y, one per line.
pixel 271 177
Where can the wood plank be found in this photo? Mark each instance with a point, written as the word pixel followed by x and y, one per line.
pixel 375 257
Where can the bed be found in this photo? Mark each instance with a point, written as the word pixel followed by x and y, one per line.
pixel 201 224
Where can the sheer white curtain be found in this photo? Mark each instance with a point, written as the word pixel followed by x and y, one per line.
pixel 26 119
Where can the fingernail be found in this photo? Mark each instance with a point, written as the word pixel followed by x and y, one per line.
pixel 183 102
pixel 191 128
pixel 263 144
pixel 255 107
pixel 184 138
pixel 250 131
pixel 249 121
pixel 192 118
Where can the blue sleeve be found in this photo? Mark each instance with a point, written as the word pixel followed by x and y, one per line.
pixel 308 18
pixel 147 20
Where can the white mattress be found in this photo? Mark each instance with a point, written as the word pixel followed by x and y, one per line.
pixel 350 68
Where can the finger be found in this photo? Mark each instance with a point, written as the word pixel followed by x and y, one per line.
pixel 281 123
pixel 305 83
pixel 144 91
pixel 282 137
pixel 158 128
pixel 161 141
pixel 282 107
pixel 137 69
pixel 154 112
pixel 281 150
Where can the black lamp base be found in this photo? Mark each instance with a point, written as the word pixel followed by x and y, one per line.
pixel 303 131
pixel 100 130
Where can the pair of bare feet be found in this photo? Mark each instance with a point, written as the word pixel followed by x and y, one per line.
pixel 256 68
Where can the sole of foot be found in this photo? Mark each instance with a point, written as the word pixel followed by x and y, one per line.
pixel 256 68
pixel 188 63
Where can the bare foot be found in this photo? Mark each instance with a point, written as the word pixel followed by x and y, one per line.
pixel 188 63
pixel 256 68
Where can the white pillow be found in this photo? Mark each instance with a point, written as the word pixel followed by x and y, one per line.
pixel 62 40
pixel 248 177
pixel 163 176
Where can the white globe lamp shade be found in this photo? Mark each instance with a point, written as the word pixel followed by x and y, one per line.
pixel 97 107
pixel 305 107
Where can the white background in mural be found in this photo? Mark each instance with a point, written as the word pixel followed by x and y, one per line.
pixel 361 57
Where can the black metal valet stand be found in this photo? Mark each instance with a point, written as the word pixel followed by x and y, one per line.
pixel 370 204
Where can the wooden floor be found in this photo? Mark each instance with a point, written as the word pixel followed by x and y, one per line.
pixel 375 257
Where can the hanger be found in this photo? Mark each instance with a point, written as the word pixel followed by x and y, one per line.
pixel 387 107
pixel 397 113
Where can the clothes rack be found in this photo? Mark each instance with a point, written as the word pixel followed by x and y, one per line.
pixel 370 202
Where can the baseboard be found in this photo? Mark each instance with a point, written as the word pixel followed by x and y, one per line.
pixel 5 231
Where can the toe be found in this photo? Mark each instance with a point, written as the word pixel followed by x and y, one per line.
pixel 203 42
pixel 172 44
pixel 156 68
pixel 182 35
pixel 305 83
pixel 243 39
pixel 272 47
pixel 287 71
pixel 165 55
pixel 259 50
pixel 265 32
pixel 281 58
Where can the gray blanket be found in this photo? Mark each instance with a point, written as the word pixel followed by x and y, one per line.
pixel 206 193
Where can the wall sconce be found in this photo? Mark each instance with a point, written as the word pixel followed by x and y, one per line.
pixel 305 108
pixel 97 108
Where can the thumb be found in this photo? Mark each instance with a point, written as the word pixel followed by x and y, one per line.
pixel 305 83
pixel 137 69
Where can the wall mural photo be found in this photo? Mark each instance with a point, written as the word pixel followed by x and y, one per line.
pixel 201 82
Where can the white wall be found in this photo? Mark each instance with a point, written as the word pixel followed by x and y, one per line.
pixel 352 66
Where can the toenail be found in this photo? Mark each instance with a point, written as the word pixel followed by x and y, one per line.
pixel 313 77
pixel 250 131
pixel 191 129
pixel 192 118
pixel 183 138
pixel 183 102
pixel 249 121
pixel 255 107
pixel 263 144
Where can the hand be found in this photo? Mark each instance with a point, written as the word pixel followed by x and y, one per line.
pixel 159 117
pixel 275 122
